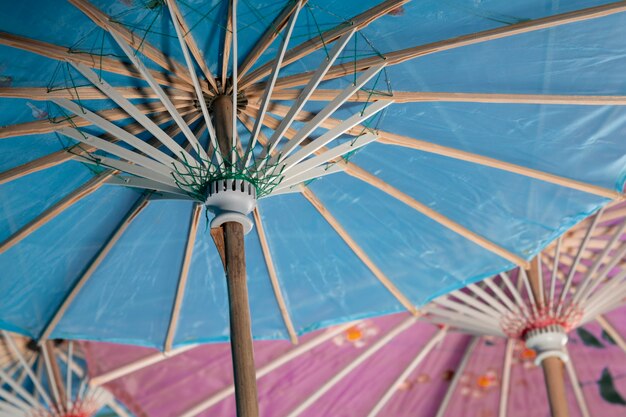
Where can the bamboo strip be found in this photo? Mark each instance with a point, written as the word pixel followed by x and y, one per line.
pixel 193 46
pixel 357 22
pixel 269 36
pixel 141 203
pixel 426 96
pixel 88 93
pixel 359 252
pixel 61 53
pixel 182 279
pixel 78 194
pixel 403 55
pixel 167 62
pixel 389 138
pixel 274 277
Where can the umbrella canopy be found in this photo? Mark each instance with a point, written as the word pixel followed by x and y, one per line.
pixel 49 381
pixel 399 366
pixel 493 147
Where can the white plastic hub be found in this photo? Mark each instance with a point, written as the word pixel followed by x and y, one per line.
pixel 231 200
pixel 547 342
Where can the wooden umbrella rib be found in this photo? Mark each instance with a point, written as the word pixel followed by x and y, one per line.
pixel 61 53
pixel 612 331
pixel 136 365
pixel 47 126
pixel 417 360
pixel 359 252
pixel 64 155
pixel 87 93
pixel 193 46
pixel 426 96
pixel 182 279
pixel 280 299
pixel 269 36
pixel 359 22
pixel 357 172
pixel 458 374
pixel 506 378
pixel 92 266
pixel 78 194
pixel 228 39
pixel 576 387
pixel 389 138
pixel 104 21
pixel 400 56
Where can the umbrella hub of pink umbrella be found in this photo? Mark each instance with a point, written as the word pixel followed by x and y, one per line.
pixel 519 325
pixel 547 341
pixel 231 200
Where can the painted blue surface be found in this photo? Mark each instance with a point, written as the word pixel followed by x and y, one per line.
pixel 130 296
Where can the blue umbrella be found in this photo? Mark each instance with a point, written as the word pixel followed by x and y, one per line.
pixel 139 137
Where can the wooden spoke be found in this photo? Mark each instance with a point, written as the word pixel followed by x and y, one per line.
pixel 421 97
pixel 269 36
pixel 506 378
pixel 93 265
pixel 458 374
pixel 228 39
pixel 88 93
pixel 290 355
pixel 575 383
pixel 274 277
pixel 342 373
pixel 81 192
pixel 421 355
pixel 104 21
pixel 389 138
pixel 61 53
pixel 356 23
pixel 136 366
pixel 193 47
pixel 357 172
pixel 359 252
pixel 397 57
pixel 182 279
pixel 47 126
pixel 612 331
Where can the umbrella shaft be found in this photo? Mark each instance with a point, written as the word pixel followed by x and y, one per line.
pixel 240 325
pixel 555 384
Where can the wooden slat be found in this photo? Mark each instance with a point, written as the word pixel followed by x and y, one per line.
pixel 61 53
pixel 228 40
pixel 88 93
pixel 268 37
pixel 358 251
pixel 271 270
pixel 425 96
pixel 65 155
pixel 193 46
pixel 103 20
pixel 78 194
pixel 47 126
pixel 182 279
pixel 357 172
pixel 119 230
pixel 389 138
pixel 397 57
pixel 359 22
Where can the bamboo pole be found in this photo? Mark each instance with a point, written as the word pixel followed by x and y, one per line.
pixel 552 366
pixel 235 263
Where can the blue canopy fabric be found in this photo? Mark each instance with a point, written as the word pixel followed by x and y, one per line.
pixel 549 99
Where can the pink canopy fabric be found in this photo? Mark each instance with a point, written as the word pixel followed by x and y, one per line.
pixel 175 385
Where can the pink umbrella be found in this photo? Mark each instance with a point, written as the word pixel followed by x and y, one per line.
pixel 399 366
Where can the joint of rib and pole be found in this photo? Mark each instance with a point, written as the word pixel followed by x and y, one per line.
pixel 232 196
